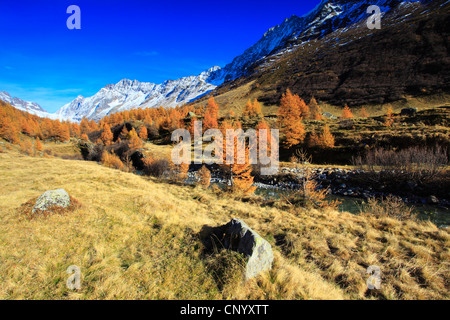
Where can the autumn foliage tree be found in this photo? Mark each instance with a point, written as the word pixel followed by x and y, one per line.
pixel 363 113
pixel 262 125
pixel 59 131
pixel 242 179
pixel 134 142
pixel 327 138
pixel 324 140
pixel 389 117
pixel 315 110
pixel 180 171
pixel 14 122
pixel 313 140
pixel 252 109
pixel 124 133
pixel 85 126
pixel 111 160
pixel 106 135
pixel 237 170
pixel 290 119
pixel 204 176
pixel 143 134
pixel 347 113
pixel 8 130
pixel 38 144
pixel 211 115
pixel 25 126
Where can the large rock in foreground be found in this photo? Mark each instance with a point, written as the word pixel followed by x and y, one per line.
pixel 50 199
pixel 241 238
pixel 237 236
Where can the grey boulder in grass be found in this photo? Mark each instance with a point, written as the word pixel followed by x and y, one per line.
pixel 241 238
pixel 52 198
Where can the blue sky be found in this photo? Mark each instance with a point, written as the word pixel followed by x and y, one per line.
pixel 41 60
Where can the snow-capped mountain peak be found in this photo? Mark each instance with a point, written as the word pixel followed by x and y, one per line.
pixel 130 94
pixel 27 106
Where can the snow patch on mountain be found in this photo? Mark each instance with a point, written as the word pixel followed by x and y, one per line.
pixel 27 106
pixel 327 17
pixel 132 94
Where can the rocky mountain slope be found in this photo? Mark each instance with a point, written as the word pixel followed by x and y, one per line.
pixel 128 94
pixel 327 17
pixel 27 106
pixel 354 65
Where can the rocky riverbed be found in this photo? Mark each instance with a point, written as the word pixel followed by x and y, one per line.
pixel 339 181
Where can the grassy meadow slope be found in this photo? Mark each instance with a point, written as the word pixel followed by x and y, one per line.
pixel 138 238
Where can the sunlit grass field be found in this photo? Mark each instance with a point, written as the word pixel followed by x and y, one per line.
pixel 138 238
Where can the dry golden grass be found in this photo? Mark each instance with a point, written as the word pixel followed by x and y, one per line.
pixel 158 151
pixel 137 238
pixel 110 160
pixel 62 148
pixel 236 99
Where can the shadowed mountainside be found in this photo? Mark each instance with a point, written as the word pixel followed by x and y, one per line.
pixel 409 55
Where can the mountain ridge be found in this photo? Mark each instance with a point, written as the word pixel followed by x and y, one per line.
pixel 325 18
pixel 27 106
pixel 129 94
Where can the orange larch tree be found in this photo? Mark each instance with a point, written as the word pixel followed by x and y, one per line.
pixel 25 126
pixel 257 107
pixel 84 126
pixel 239 175
pixel 143 134
pixel 75 130
pixel 363 113
pixel 106 135
pixel 263 125
pixel 252 109
pixel 242 179
pixel 124 133
pixel 316 111
pixel 38 144
pixel 134 142
pixel 211 115
pixel 289 116
pixel 204 176
pixel 347 113
pixel 327 138
pixel 313 140
pixel 389 117
pixel 248 110
pixel 8 130
pixel 324 140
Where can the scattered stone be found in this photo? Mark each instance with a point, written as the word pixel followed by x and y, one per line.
pixel 239 237
pixel 329 115
pixel 432 200
pixel 52 198
pixel 410 112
